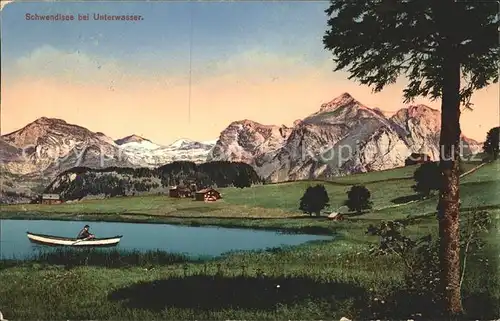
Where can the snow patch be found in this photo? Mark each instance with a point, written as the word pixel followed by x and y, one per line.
pixel 148 154
pixel 181 142
pixel 143 145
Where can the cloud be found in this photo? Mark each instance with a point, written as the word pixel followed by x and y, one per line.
pixel 75 66
pixel 78 67
pixel 91 90
pixel 256 65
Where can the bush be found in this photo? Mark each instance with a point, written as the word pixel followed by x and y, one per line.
pixel 315 199
pixel 492 144
pixel 427 178
pixel 358 199
pixel 421 291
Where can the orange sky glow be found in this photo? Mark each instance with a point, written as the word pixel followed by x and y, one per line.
pixel 162 114
pixel 239 61
pixel 263 88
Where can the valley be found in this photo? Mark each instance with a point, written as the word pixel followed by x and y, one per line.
pixel 128 181
pixel 113 279
pixel 343 137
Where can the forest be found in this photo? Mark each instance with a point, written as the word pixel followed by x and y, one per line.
pixel 80 182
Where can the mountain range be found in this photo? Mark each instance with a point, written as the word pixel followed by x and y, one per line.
pixel 342 137
pixel 48 146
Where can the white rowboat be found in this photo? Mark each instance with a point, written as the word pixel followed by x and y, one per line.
pixel 67 241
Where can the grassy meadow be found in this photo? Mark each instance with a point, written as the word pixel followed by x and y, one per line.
pixel 317 280
pixel 388 188
pixel 258 201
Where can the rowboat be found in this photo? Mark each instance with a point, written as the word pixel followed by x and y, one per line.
pixel 68 241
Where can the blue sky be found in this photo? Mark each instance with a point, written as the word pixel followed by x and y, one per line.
pixel 219 30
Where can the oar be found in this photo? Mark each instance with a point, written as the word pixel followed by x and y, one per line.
pixel 85 239
pixel 77 242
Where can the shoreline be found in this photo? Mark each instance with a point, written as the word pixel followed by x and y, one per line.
pixel 278 224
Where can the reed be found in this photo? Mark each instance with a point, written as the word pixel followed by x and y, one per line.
pixel 110 258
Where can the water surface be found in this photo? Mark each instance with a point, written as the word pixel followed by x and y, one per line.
pixel 193 241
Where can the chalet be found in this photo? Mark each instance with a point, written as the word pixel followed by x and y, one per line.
pixel 207 195
pixel 51 199
pixel 180 192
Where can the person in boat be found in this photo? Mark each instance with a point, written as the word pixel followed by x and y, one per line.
pixel 85 234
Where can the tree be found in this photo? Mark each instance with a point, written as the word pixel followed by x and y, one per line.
pixel 434 44
pixel 492 144
pixel 242 180
pixel 358 199
pixel 427 178
pixel 202 180
pixel 315 199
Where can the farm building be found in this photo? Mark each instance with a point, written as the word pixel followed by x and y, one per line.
pixel 51 199
pixel 207 195
pixel 336 216
pixel 180 192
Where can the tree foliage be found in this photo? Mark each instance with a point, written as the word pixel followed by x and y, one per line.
pixel 446 49
pixel 119 181
pixel 315 199
pixel 378 41
pixel 242 181
pixel 427 178
pixel 492 143
pixel 358 199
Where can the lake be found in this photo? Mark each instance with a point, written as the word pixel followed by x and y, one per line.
pixel 192 241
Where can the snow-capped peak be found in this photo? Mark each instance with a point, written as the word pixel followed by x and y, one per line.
pixel 136 143
pixel 181 142
pixel 146 153
pixel 131 139
pixel 143 145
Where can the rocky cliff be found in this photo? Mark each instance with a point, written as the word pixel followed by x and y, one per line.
pixel 250 142
pixel 50 146
pixel 344 136
pixel 31 157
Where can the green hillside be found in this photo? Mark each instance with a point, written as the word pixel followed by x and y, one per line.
pixel 282 200
pixel 286 196
pixel 279 200
pixel 332 266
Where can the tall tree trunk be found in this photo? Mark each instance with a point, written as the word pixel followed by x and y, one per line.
pixel 449 197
